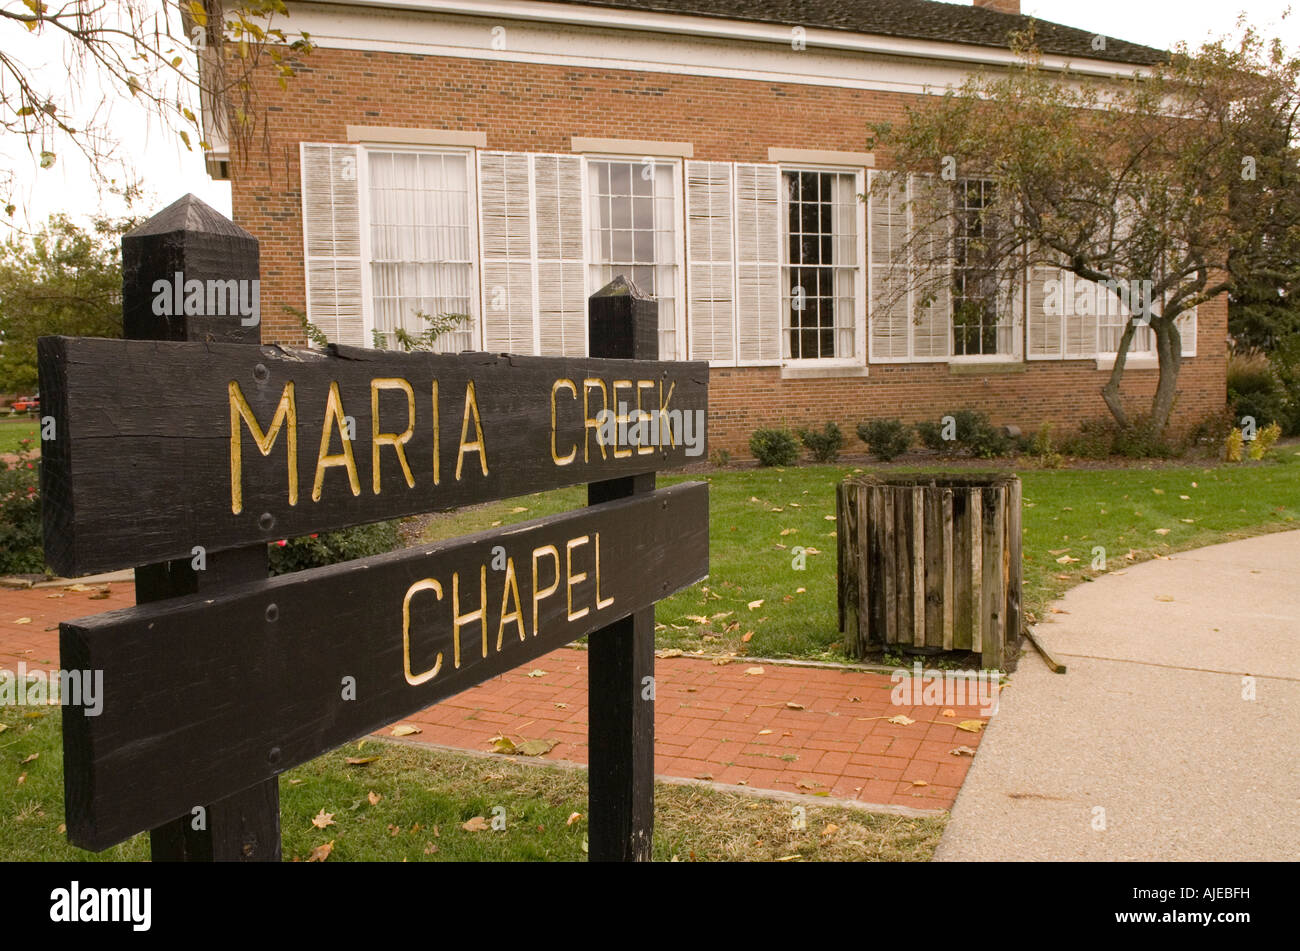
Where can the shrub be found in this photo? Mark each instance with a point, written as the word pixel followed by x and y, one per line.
pixel 1042 449
pixel 1264 440
pixel 328 548
pixel 1139 440
pixel 825 445
pixel 1255 390
pixel 1232 446
pixel 971 431
pixel 931 436
pixel 21 540
pixel 1093 439
pixel 720 458
pixel 1207 436
pixel 774 447
pixel 886 438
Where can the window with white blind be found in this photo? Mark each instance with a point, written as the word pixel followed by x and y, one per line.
pixel 422 244
pixel 634 226
pixel 1071 318
pixel 821 268
pixel 389 235
pixel 982 322
pixel 531 222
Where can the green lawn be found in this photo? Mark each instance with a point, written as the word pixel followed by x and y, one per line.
pixel 758 516
pixel 13 429
pixel 412 804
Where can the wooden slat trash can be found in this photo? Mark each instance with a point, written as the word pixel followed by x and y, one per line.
pixel 930 563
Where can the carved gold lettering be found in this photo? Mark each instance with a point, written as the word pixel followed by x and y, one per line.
pixel 592 422
pixel 397 440
pixel 471 405
pixel 573 579
pixel 285 411
pixel 555 453
pixel 641 414
pixel 620 419
pixel 427 584
pixel 460 620
pixel 517 615
pixel 538 593
pixel 600 604
pixel 326 460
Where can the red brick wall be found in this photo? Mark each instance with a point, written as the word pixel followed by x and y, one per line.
pixel 533 107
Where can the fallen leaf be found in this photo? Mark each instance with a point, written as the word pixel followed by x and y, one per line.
pixel 1185 498
pixel 697 618
pixel 901 720
pixel 807 784
pixel 1158 491
pixel 22 778
pixel 1161 531
pixel 1058 551
pixel 503 744
pixel 1164 597
pixel 962 751
pixel 1066 560
pixel 754 605
pixel 374 797
pixel 831 829
pixel 477 824
pixel 321 852
pixel 323 819
pixel 919 782
pixel 754 671
pixel 721 661
pixel 669 652
pixel 971 726
pixel 30 759
pixel 829 518
pixel 561 706
pixel 764 732
pixel 747 636
pixel 791 705
pixel 812 551
pixel 719 617
pixel 430 848
pixel 537 673
pixel 360 760
pixel 948 713
pixel 788 531
pixel 518 509
pixel 573 817
pixel 800 590
pixel 537 747
pixel 27 620
pixel 405 729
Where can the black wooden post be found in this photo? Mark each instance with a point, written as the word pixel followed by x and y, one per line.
pixel 624 323
pixel 190 273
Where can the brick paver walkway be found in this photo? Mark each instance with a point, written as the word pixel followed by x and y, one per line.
pixel 797 729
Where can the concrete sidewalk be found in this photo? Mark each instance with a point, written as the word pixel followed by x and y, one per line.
pixel 1150 748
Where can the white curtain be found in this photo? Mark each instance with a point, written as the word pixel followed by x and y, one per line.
pixel 421 244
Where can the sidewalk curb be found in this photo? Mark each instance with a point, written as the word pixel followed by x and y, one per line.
pixel 753 792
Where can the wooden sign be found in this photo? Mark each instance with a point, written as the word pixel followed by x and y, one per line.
pixel 205 696
pixel 161 447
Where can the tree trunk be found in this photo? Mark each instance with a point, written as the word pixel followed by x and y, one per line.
pixel 1110 392
pixel 1169 350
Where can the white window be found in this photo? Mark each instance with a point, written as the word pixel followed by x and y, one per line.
pixel 389 235
pixel 821 267
pixel 982 324
pixel 531 221
pixel 422 244
pixel 635 220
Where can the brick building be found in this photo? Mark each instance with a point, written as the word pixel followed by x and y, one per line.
pixel 502 159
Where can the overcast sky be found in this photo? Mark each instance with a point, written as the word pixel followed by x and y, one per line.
pixel 172 171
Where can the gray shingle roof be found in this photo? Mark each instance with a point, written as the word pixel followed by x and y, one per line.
pixel 910 19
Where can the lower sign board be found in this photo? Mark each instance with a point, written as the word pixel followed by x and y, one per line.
pixel 204 697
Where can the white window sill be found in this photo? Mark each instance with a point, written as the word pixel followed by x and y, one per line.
pixel 804 372
pixel 1135 361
